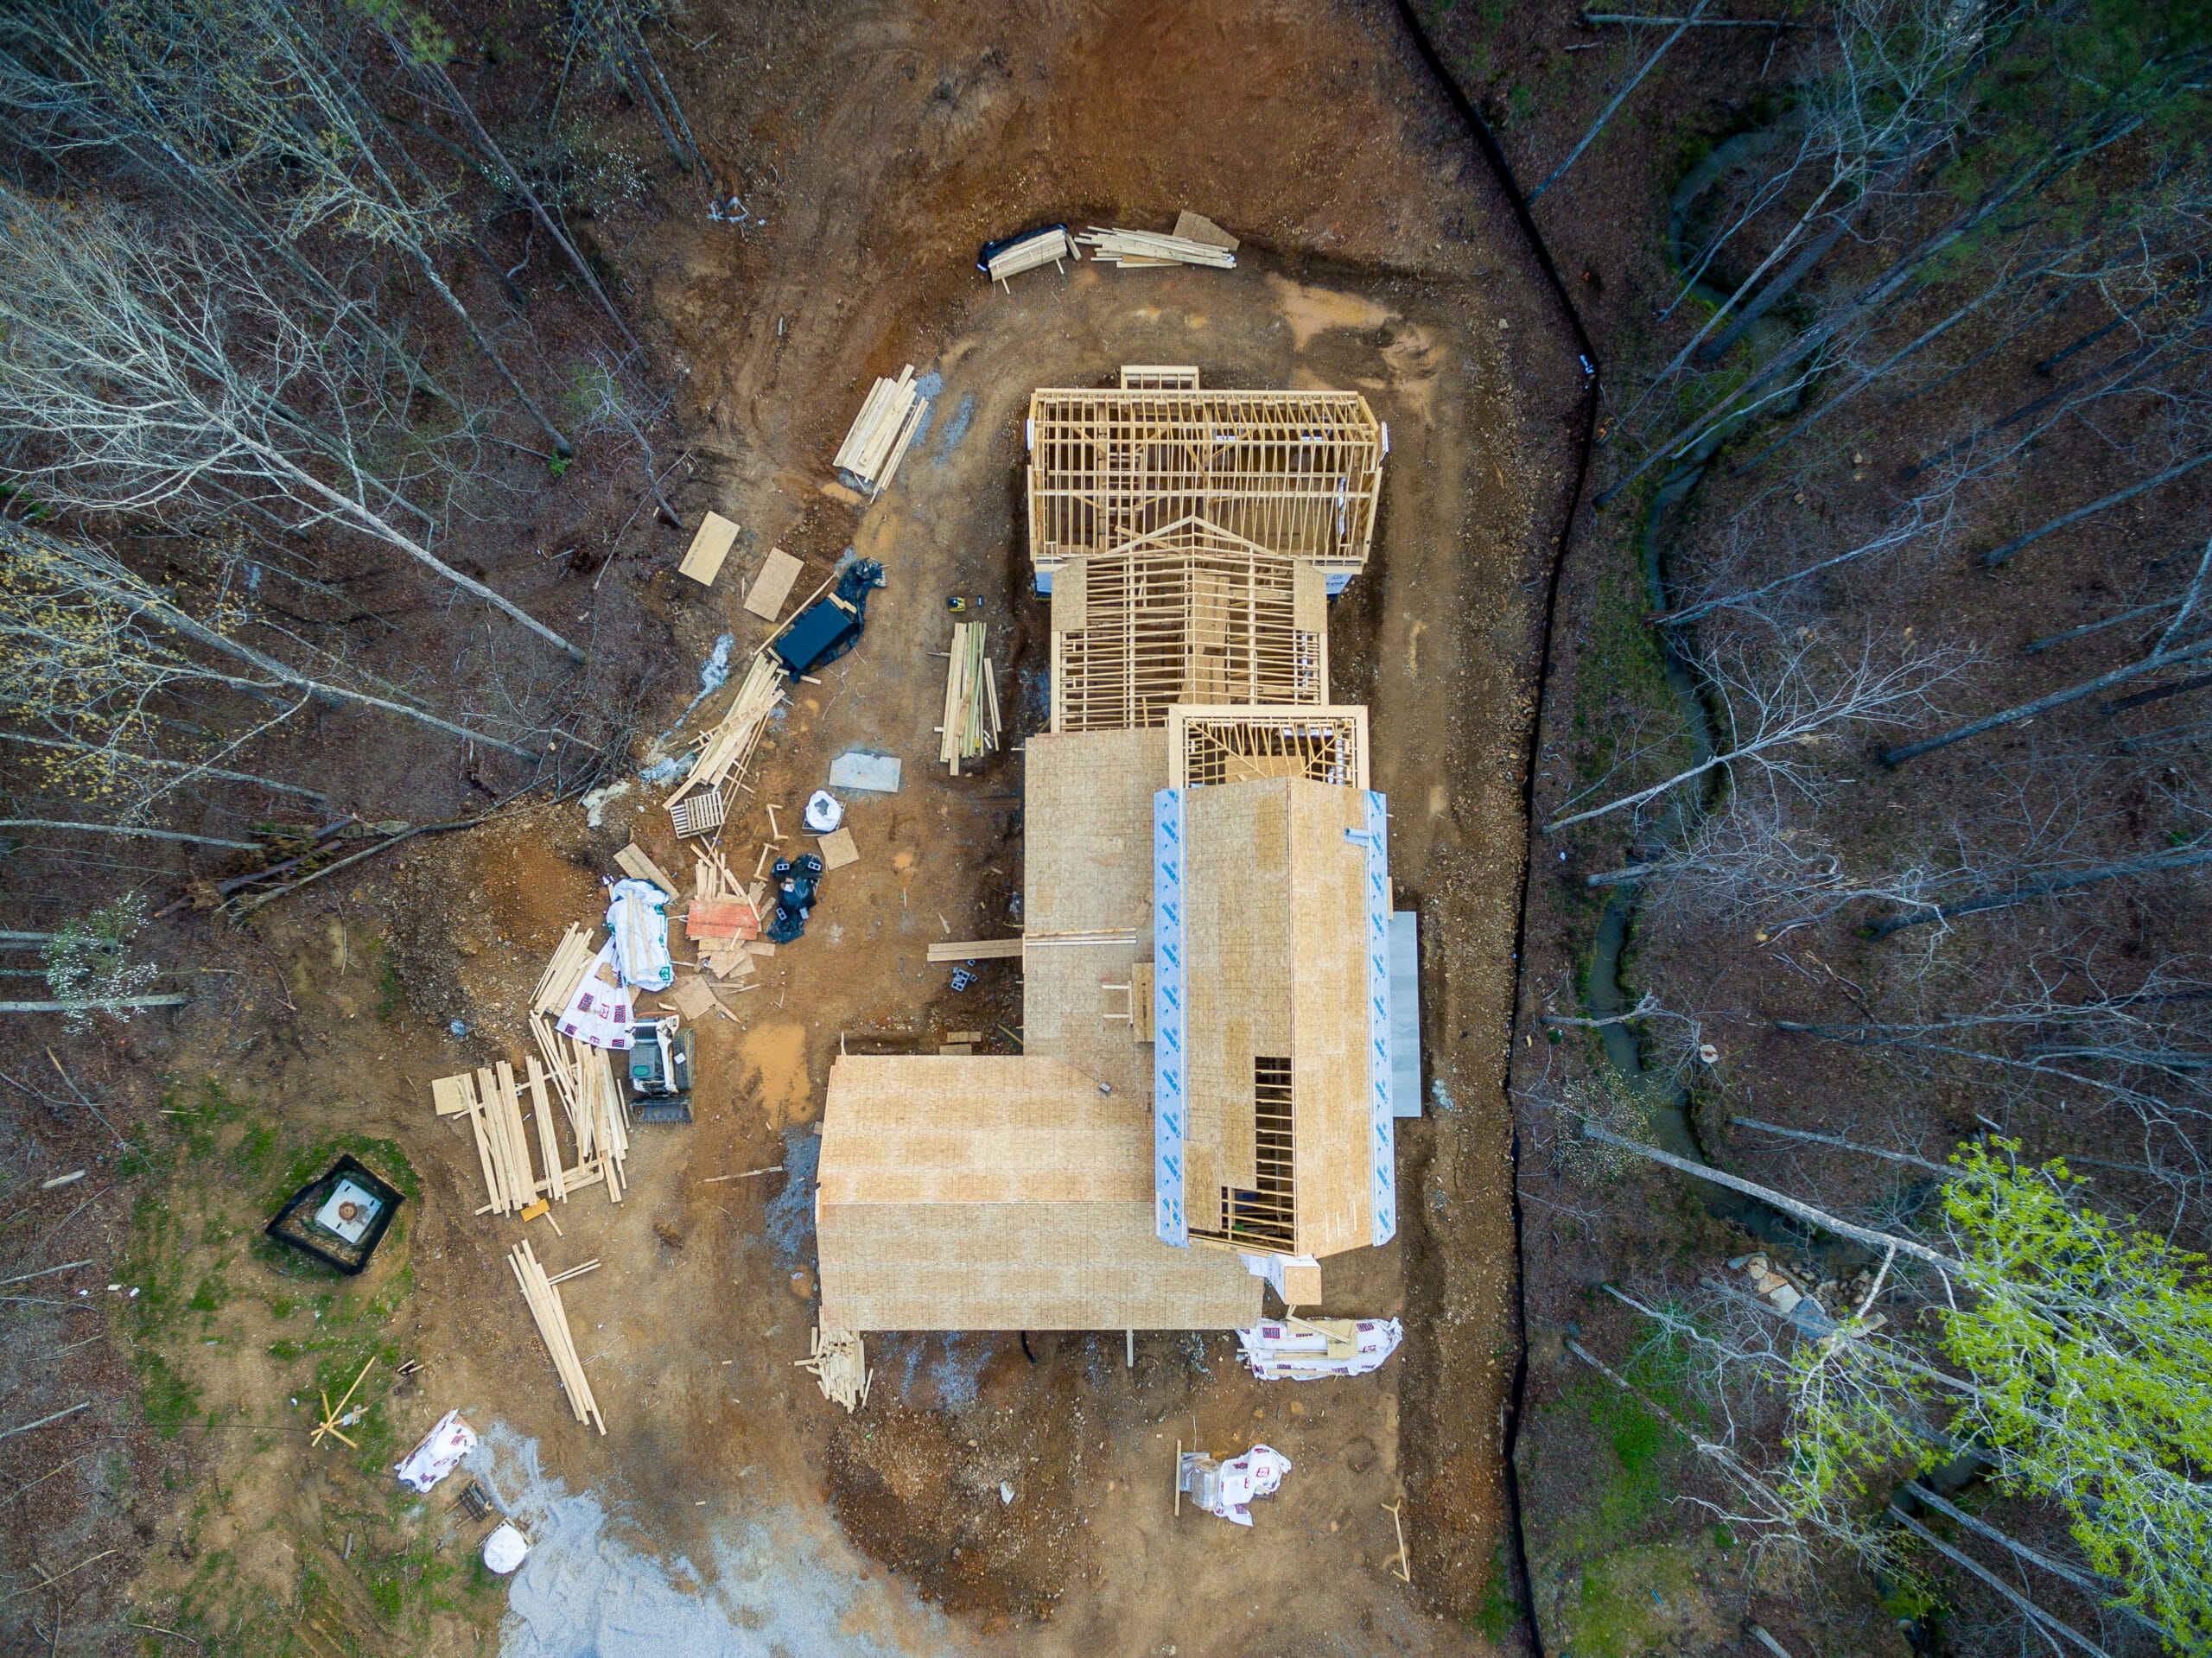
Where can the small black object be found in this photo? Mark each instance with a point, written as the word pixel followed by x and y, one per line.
pixel 826 630
pixel 991 250
pixel 798 883
pixel 295 1223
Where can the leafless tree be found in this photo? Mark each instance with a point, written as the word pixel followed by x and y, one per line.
pixel 138 377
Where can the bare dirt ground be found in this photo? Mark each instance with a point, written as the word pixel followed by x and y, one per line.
pixel 1377 256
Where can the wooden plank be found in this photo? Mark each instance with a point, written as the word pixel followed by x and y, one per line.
pixel 483 1145
pixel 773 585
pixel 1071 591
pixel 449 1096
pixel 635 861
pixel 702 563
pixel 1309 599
pixel 838 850
pixel 503 1199
pixel 523 1180
pixel 541 1101
pixel 975 950
pixel 1140 1002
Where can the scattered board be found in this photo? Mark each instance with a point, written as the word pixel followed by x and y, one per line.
pixel 1143 248
pixel 977 949
pixel 773 585
pixel 635 861
pixel 839 1363
pixel 1197 227
pixel 838 850
pixel 704 562
pixel 544 1302
pixel 728 747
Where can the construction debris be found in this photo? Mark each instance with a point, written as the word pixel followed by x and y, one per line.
pixel 636 916
pixel 1132 249
pixel 335 1418
pixel 635 861
pixel 704 562
pixel 439 1453
pixel 971 700
pixel 838 849
pixel 826 629
pixel 1197 227
pixel 870 454
pixel 553 1329
pixel 840 1364
pixel 866 774
pixel 1226 1489
pixel 505 1549
pixel 1307 1349
pixel 728 749
pixel 1031 250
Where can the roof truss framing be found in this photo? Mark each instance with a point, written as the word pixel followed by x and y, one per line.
pixel 1156 628
pixel 1236 744
pixel 1294 472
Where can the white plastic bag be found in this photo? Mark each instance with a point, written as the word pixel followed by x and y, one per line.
pixel 636 919
pixel 439 1454
pixel 1258 1472
pixel 505 1550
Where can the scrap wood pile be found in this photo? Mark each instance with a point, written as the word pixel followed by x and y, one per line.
pixel 1140 249
pixel 543 1296
pixel 840 1364
pixel 889 416
pixel 491 1099
pixel 724 920
pixel 583 1074
pixel 971 700
pixel 701 801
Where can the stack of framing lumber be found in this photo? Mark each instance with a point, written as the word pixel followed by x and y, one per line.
pixel 1143 248
pixel 728 747
pixel 584 1075
pixel 1047 247
pixel 553 1328
pixel 881 431
pixel 839 1363
pixel 971 700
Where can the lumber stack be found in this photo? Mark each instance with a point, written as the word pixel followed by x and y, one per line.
pixel 544 1301
pixel 494 1101
pixel 1137 249
pixel 840 1364
pixel 881 432
pixel 583 1077
pixel 1047 247
pixel 728 749
pixel 971 700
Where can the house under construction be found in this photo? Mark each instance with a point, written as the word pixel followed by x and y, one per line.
pixel 1209 962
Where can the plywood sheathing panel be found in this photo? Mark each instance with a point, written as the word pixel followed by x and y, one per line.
pixel 991 1192
pixel 1060 1018
pixel 702 560
pixel 1087 826
pixel 1294 472
pixel 1236 901
pixel 1329 1046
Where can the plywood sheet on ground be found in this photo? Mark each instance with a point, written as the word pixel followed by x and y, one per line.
pixel 702 560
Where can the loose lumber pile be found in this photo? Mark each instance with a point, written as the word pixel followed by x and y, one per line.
pixel 728 749
pixel 881 432
pixel 552 1318
pixel 1135 248
pixel 584 1075
pixel 725 918
pixel 840 1364
pixel 1045 247
pixel 971 700
pixel 493 1100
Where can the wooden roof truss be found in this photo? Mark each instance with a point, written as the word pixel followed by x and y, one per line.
pixel 1207 622
pixel 1296 473
pixel 1209 746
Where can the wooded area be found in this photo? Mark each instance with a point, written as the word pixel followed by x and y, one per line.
pixel 1877 781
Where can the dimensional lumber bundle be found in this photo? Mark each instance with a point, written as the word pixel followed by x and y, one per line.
pixel 584 1075
pixel 492 1101
pixel 544 1301
pixel 881 431
pixel 971 700
pixel 1047 247
pixel 728 749
pixel 839 1363
pixel 1148 248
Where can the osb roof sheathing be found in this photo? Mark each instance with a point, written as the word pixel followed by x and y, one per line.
pixel 1064 1007
pixel 987 1192
pixel 1273 899
pixel 1087 830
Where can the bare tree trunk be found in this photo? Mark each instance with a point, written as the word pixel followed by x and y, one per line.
pixel 1605 115
pixel 2042 1621
pixel 2159 863
pixel 2152 663
pixel 125 830
pixel 258 782
pixel 1787 1205
pixel 1997 555
pixel 1841 1145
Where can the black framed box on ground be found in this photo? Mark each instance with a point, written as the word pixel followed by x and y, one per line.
pixel 340 1218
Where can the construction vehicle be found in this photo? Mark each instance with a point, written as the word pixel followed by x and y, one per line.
pixel 660 1072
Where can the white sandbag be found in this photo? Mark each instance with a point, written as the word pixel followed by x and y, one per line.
pixel 636 918
pixel 1258 1472
pixel 439 1454
pixel 599 1014
pixel 504 1549
pixel 825 811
